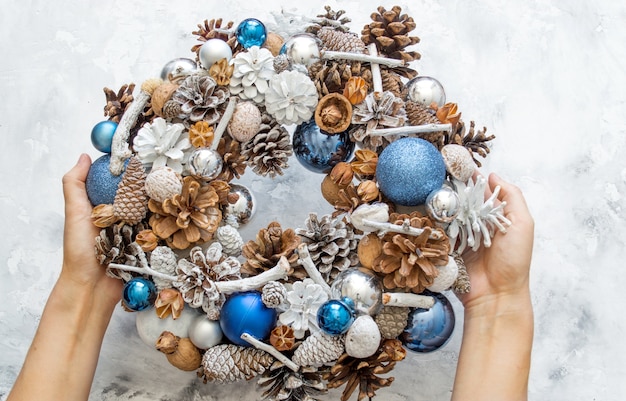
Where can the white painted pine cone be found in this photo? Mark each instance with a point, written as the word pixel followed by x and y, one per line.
pixel 163 260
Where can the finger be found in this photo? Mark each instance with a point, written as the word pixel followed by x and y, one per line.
pixel 512 195
pixel 74 185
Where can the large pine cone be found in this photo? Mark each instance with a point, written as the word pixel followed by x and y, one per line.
pixel 115 244
pixel 335 40
pixel 226 363
pixel 332 76
pixel 234 160
pixel 269 150
pixel 131 201
pixel 199 98
pixel 270 245
pixel 331 244
pixel 319 349
pixel 389 30
pixel 282 383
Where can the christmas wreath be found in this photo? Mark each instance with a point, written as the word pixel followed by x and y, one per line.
pixel 332 303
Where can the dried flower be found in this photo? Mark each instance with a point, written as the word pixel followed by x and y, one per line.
pixel 365 162
pixel 169 302
pixel 201 134
pixel 161 144
pixel 283 338
pixel 221 71
pixel 368 191
pixel 342 174
pixel 355 90
pixel 147 240
pixel 103 216
pixel 448 113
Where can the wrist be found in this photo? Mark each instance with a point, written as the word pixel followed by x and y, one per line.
pixel 516 305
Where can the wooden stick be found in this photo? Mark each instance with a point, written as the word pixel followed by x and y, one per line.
pixel 411 129
pixel 270 350
pixel 277 272
pixel 221 126
pixel 409 300
pixel 405 228
pixel 304 259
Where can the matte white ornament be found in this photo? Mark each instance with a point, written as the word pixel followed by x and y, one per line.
pixel 458 161
pixel 446 277
pixel 205 333
pixel 150 326
pixel 363 337
pixel 163 183
pixel 212 51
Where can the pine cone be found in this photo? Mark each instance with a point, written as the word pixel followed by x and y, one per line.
pixel 131 201
pixel 230 239
pixel 474 142
pixel 271 243
pixel 390 33
pixel 332 19
pixel 284 384
pixel 268 151
pixel 420 115
pixel 332 76
pixel 282 62
pixel 163 260
pixel 340 41
pixel 462 284
pixel 117 103
pixel 274 294
pixel 392 82
pixel 199 98
pixel 319 349
pixel 226 363
pixel 115 245
pixel 214 29
pixel 331 244
pixel 392 320
pixel 234 160
pixel 409 261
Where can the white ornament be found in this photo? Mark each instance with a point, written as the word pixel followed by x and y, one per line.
pixel 291 97
pixel 150 326
pixel 212 51
pixel 163 183
pixel 303 301
pixel 446 277
pixel 205 333
pixel 161 144
pixel 253 70
pixel 363 337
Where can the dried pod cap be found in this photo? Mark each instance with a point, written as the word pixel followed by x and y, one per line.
pixel 163 183
pixel 333 113
pixel 368 191
pixel 458 161
pixel 342 174
pixel 282 338
pixel 245 122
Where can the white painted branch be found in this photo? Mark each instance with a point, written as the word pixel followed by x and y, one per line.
pixel 365 58
pixel 411 129
pixel 304 259
pixel 142 270
pixel 409 300
pixel 377 78
pixel 221 127
pixel 403 229
pixel 277 272
pixel 119 148
pixel 270 350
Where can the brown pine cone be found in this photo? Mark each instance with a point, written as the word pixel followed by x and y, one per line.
pixel 115 245
pixel 268 151
pixel 392 320
pixel 234 161
pixel 418 114
pixel 271 243
pixel 389 30
pixel 131 201
pixel 392 82
pixel 117 103
pixel 462 284
pixel 332 19
pixel 332 76
pixel 475 142
pixel 211 30
pixel 334 40
pixel 227 363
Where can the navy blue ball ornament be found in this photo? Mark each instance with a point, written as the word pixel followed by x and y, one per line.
pixel 429 329
pixel 334 317
pixel 139 294
pixel 251 32
pixel 408 170
pixel 101 185
pixel 102 135
pixel 245 312
pixel 319 151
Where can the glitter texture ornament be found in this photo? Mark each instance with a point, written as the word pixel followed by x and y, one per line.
pixel 429 329
pixel 102 135
pixel 101 185
pixel 251 32
pixel 408 170
pixel 245 312
pixel 319 152
pixel 139 294
pixel 334 317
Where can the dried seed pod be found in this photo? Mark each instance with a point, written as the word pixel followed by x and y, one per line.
pixel 282 338
pixel 333 113
pixel 180 352
pixel 161 95
pixel 201 134
pixel 169 302
pixel 368 191
pixel 355 90
pixel 342 174
pixel 330 190
pixel 245 122
pixel 370 247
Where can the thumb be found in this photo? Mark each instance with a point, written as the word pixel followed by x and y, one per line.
pixel 74 184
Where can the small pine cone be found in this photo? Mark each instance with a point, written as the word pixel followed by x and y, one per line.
pixel 392 320
pixel 319 349
pixel 392 82
pixel 131 201
pixel 171 110
pixel 274 294
pixel 419 115
pixel 227 363
pixel 230 239
pixel 462 284
pixel 282 62
pixel 163 260
pixel 117 103
pixel 268 152
pixel 335 40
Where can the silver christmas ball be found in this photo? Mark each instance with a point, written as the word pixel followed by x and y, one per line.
pixel 242 210
pixel 360 288
pixel 443 205
pixel 302 48
pixel 150 326
pixel 205 333
pixel 177 69
pixel 212 51
pixel 426 90
pixel 205 163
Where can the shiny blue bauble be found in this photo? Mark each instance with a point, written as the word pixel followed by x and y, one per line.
pixel 319 151
pixel 251 32
pixel 429 329
pixel 245 312
pixel 334 317
pixel 101 185
pixel 102 135
pixel 408 170
pixel 139 294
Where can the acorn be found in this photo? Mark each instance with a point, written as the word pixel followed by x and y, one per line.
pixel 180 352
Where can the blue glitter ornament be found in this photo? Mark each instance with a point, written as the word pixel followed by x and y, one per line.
pixel 334 317
pixel 319 151
pixel 139 294
pixel 101 185
pixel 251 32
pixel 245 312
pixel 408 170
pixel 102 135
pixel 429 329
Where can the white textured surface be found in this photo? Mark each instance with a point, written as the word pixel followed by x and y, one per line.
pixel 547 77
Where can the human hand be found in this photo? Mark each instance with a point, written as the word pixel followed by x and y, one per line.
pixel 80 267
pixel 502 270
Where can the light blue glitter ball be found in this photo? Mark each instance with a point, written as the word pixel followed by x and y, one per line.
pixel 139 294
pixel 251 32
pixel 102 135
pixel 334 317
pixel 408 170
pixel 101 185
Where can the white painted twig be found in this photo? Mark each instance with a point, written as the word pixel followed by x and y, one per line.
pixel 142 270
pixel 304 259
pixel 411 129
pixel 270 350
pixel 221 127
pixel 377 78
pixel 277 272
pixel 405 228
pixel 409 300
pixel 365 58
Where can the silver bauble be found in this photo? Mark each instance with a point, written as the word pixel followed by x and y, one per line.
pixel 212 51
pixel 150 326
pixel 426 90
pixel 178 69
pixel 205 164
pixel 360 288
pixel 242 210
pixel 443 204
pixel 205 333
pixel 302 48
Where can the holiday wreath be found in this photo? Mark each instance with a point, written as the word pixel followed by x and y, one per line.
pixel 335 302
